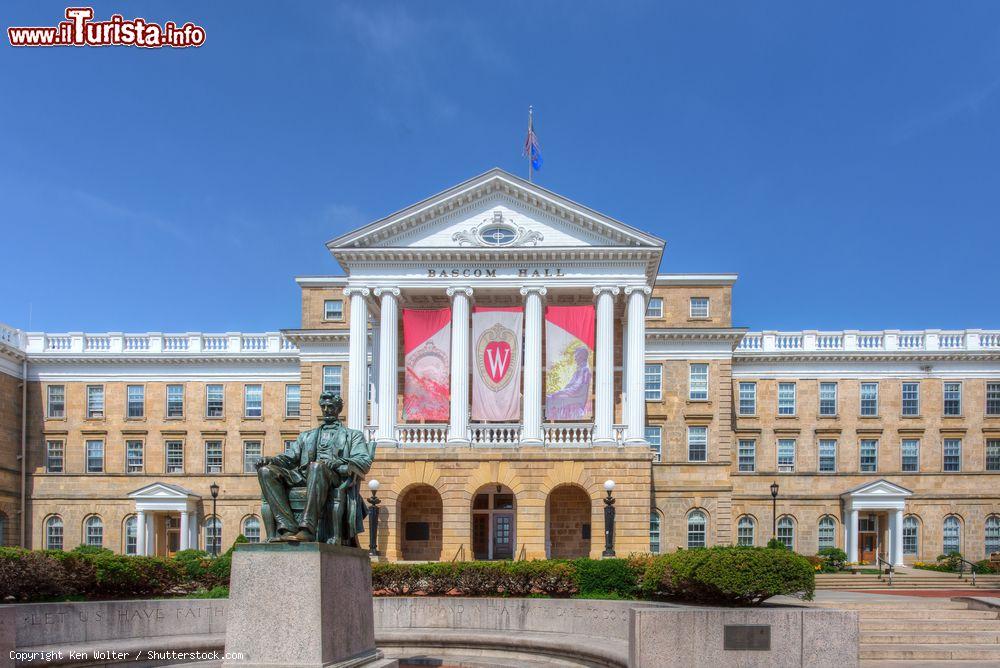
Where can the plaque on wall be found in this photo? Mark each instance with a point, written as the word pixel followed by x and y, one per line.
pixel 754 637
pixel 418 531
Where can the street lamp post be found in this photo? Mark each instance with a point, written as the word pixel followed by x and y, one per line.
pixel 774 510
pixel 609 520
pixel 215 519
pixel 373 509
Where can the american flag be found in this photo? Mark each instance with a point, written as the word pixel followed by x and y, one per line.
pixel 532 150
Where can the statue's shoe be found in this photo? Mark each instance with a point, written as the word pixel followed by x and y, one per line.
pixel 303 536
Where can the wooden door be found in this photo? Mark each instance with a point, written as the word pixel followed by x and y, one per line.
pixel 868 546
pixel 503 536
pixel 481 536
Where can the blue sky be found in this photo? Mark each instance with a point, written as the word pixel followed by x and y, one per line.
pixel 841 157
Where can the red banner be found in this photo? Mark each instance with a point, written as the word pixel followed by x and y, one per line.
pixel 427 351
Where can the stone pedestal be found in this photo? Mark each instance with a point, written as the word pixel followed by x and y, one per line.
pixel 307 605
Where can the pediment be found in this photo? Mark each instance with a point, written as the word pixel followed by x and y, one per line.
pixel 162 491
pixel 530 217
pixel 878 488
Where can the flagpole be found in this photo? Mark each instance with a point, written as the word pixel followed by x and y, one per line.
pixel 530 114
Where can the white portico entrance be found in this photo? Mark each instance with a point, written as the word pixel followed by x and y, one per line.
pixel 166 519
pixel 874 525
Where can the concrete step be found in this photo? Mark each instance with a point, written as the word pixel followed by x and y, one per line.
pixel 900 637
pixel 887 622
pixel 909 663
pixel 929 652
pixel 927 614
pixel 901 603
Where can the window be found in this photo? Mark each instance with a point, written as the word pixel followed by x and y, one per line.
pixel 655 307
pixel 698 382
pixel 95 456
pixel 869 399
pixel 654 436
pixel 910 450
pixel 213 535
pixel 952 398
pixel 654 532
pixel 213 456
pixel 827 399
pixel 135 401
pixel 333 309
pixel 993 454
pixel 699 307
pixel 748 398
pixel 993 398
pixel 57 401
pixel 952 535
pixel 54 533
pixel 911 399
pixel 293 394
pixel 869 455
pixel 175 456
pixel 696 529
pixel 911 531
pixel 332 379
pixel 251 455
pixel 94 532
pixel 251 529
pixel 786 455
pixel 654 382
pixel 132 536
pixel 133 456
pixel 952 454
pixel 992 535
pixel 747 455
pixel 786 532
pixel 786 398
pixel 827 536
pixel 54 452
pixel 253 401
pixel 827 455
pixel 745 529
pixel 697 444
pixel 95 401
pixel 175 401
pixel 214 397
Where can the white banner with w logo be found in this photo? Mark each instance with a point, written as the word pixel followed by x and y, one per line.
pixel 496 364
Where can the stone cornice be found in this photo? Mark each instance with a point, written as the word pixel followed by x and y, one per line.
pixel 316 335
pixel 184 358
pixel 731 334
pixel 741 356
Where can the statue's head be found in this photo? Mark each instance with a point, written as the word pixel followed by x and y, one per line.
pixel 330 404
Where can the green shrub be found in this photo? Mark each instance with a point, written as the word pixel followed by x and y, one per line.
pixel 775 544
pixel 733 575
pixel 833 559
pixel 606 577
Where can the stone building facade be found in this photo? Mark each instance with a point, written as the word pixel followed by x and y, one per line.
pixel 882 443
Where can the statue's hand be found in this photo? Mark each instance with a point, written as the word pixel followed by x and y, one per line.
pixel 342 470
pixel 263 461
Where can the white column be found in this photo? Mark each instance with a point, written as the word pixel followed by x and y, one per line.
pixel 357 364
pixel 193 538
pixel 140 533
pixel 388 371
pixel 635 421
pixel 852 538
pixel 604 367
pixel 458 430
pixel 375 365
pixel 185 531
pixel 531 416
pixel 897 543
pixel 150 535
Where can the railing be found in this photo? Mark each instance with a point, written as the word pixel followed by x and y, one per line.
pixel 568 434
pixel 422 434
pixel 857 341
pixel 962 563
pixel 151 343
pixel 502 434
pixel 889 570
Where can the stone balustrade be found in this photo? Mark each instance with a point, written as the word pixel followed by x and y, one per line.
pixel 190 343
pixel 811 341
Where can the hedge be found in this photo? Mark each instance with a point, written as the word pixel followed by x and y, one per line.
pixel 726 575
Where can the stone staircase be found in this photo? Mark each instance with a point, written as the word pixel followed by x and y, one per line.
pixel 924 631
pixel 906 578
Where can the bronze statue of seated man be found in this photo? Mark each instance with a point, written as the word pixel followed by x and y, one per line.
pixel 331 459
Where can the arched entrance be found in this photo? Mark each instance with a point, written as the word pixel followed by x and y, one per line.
pixel 494 513
pixel 568 513
pixel 420 512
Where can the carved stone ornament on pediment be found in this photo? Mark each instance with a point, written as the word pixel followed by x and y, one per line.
pixel 497 232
